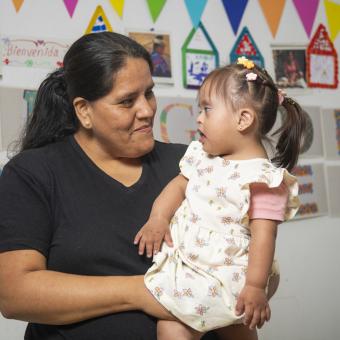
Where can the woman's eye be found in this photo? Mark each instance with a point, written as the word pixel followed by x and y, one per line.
pixel 149 94
pixel 126 102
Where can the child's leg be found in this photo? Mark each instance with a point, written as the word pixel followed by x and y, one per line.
pixel 169 330
pixel 236 332
pixel 148 303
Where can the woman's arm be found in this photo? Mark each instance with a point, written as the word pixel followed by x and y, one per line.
pixel 253 299
pixel 31 293
pixel 156 228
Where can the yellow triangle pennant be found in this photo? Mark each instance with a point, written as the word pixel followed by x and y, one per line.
pixel 98 22
pixel 17 4
pixel 118 6
pixel 272 11
pixel 333 17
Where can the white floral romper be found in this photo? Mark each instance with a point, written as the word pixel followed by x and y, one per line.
pixel 199 279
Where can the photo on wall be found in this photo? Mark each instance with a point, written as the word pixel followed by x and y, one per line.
pixel 290 66
pixel 159 46
pixel 331 133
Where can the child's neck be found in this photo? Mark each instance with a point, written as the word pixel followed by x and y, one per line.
pixel 249 152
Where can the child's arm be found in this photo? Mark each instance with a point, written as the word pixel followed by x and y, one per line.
pixel 156 228
pixel 253 299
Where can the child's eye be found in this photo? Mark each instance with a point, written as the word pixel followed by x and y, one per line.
pixel 206 109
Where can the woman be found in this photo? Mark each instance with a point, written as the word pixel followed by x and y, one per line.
pixel 73 198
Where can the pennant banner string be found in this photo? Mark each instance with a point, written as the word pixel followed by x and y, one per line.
pixel 195 9
pixel 70 6
pixel 272 11
pixel 155 8
pixel 118 6
pixel 235 10
pixel 307 11
pixel 333 17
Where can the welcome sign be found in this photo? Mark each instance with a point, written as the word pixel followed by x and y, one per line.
pixel 33 53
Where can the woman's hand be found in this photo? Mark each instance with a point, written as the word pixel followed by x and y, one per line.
pixel 152 234
pixel 253 303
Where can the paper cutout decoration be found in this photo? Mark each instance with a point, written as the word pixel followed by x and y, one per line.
pixel 175 120
pixel 307 11
pixel 322 61
pixel 272 11
pixel 70 6
pixel 98 22
pixel 245 46
pixel 195 9
pixel 155 8
pixel 199 57
pixel 235 10
pixel 17 4
pixel 333 17
pixel 118 6
pixel 312 191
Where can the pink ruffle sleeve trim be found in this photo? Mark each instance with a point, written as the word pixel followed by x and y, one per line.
pixel 268 203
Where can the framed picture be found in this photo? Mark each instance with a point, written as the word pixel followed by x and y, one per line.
pixel 159 47
pixel 290 66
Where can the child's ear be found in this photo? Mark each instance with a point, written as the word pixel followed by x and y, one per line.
pixel 246 118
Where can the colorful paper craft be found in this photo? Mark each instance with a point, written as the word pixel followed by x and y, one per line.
pixel 246 46
pixel 322 61
pixel 98 22
pixel 199 57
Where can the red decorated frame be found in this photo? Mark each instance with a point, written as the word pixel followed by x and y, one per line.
pixel 314 49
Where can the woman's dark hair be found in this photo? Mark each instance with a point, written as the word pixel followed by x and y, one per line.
pixel 88 71
pixel 231 85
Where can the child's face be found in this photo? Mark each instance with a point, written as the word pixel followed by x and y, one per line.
pixel 217 125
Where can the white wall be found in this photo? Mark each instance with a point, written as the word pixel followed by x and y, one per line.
pixel 306 304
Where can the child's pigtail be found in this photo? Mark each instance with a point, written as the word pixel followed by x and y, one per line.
pixel 291 134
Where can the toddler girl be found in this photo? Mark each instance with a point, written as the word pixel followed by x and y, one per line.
pixel 217 268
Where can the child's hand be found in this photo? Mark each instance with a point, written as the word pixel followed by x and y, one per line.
pixel 152 234
pixel 253 303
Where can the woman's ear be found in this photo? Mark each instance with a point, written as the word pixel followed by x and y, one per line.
pixel 246 119
pixel 83 111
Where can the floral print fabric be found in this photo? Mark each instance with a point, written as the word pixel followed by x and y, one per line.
pixel 198 280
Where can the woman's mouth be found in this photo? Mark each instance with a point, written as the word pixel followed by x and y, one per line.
pixel 144 129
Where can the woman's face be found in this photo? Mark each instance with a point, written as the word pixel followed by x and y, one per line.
pixel 122 121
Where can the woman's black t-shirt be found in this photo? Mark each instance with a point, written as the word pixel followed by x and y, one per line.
pixel 55 200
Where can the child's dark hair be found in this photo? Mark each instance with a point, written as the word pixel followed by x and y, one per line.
pixel 230 83
pixel 88 71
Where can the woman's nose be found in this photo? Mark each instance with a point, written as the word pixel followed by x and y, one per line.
pixel 147 108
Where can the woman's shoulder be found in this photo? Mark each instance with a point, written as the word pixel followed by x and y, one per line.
pixel 38 159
